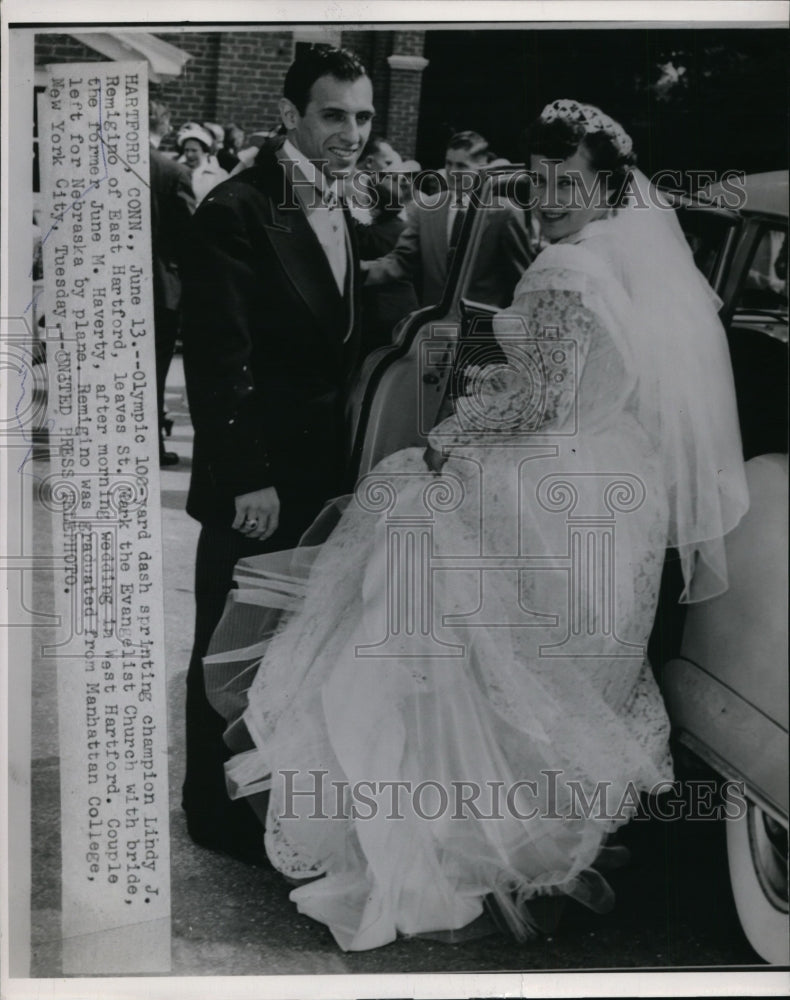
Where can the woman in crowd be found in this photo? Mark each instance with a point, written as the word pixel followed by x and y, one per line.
pixel 617 401
pixel 194 148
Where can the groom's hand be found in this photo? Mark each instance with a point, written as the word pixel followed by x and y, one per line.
pixel 258 513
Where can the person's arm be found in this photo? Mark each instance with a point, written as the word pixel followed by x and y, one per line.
pixel 377 240
pixel 401 262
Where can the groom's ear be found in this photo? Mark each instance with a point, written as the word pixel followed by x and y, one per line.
pixel 289 114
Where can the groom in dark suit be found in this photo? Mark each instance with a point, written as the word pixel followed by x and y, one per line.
pixel 270 338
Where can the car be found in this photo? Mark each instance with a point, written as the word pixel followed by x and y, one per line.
pixel 724 669
pixel 727 689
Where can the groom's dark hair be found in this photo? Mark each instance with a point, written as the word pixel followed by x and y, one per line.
pixel 314 62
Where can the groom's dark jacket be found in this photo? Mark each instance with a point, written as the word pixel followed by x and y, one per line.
pixel 269 347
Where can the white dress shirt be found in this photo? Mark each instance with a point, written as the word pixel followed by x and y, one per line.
pixel 323 213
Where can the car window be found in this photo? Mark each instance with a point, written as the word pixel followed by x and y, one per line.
pixel 708 234
pixel 505 243
pixel 757 335
pixel 765 283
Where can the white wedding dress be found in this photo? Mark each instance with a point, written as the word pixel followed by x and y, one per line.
pixel 509 693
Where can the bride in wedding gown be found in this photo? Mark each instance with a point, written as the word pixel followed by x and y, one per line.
pixel 487 748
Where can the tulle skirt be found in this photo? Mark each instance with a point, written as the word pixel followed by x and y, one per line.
pixel 449 700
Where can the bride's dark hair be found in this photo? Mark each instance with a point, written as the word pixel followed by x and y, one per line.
pixel 563 127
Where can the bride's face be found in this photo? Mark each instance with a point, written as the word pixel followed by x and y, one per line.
pixel 569 194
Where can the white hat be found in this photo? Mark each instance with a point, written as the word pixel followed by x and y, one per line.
pixel 217 131
pixel 194 130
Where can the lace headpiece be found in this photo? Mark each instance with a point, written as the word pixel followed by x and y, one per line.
pixel 591 120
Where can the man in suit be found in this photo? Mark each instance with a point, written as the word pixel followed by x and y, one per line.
pixel 381 183
pixel 378 156
pixel 424 250
pixel 270 340
pixel 172 205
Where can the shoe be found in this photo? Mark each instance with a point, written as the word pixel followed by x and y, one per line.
pixel 231 831
pixel 545 912
pixel 168 458
pixel 253 855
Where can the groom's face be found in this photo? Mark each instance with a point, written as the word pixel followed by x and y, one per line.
pixel 335 125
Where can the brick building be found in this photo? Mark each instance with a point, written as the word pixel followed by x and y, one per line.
pixel 225 76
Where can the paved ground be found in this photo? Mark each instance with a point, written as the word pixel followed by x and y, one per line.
pixel 674 907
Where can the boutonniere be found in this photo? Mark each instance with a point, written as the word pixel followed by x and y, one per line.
pixel 362 216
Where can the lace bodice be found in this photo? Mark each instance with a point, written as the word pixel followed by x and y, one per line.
pixel 569 367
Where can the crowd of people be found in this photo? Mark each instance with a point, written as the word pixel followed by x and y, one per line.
pixel 289 270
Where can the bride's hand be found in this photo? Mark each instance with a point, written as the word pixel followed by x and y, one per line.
pixel 434 459
pixel 493 377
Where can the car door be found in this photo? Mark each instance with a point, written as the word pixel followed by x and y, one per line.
pixel 727 690
pixel 404 390
pixel 757 329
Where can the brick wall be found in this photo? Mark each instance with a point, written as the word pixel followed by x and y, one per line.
pixel 380 75
pixel 408 43
pixel 251 70
pixel 404 103
pixel 62 48
pixel 192 96
pixel 405 86
pixel 360 43
pixel 232 76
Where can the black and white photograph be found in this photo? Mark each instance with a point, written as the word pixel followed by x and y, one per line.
pixel 394 467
